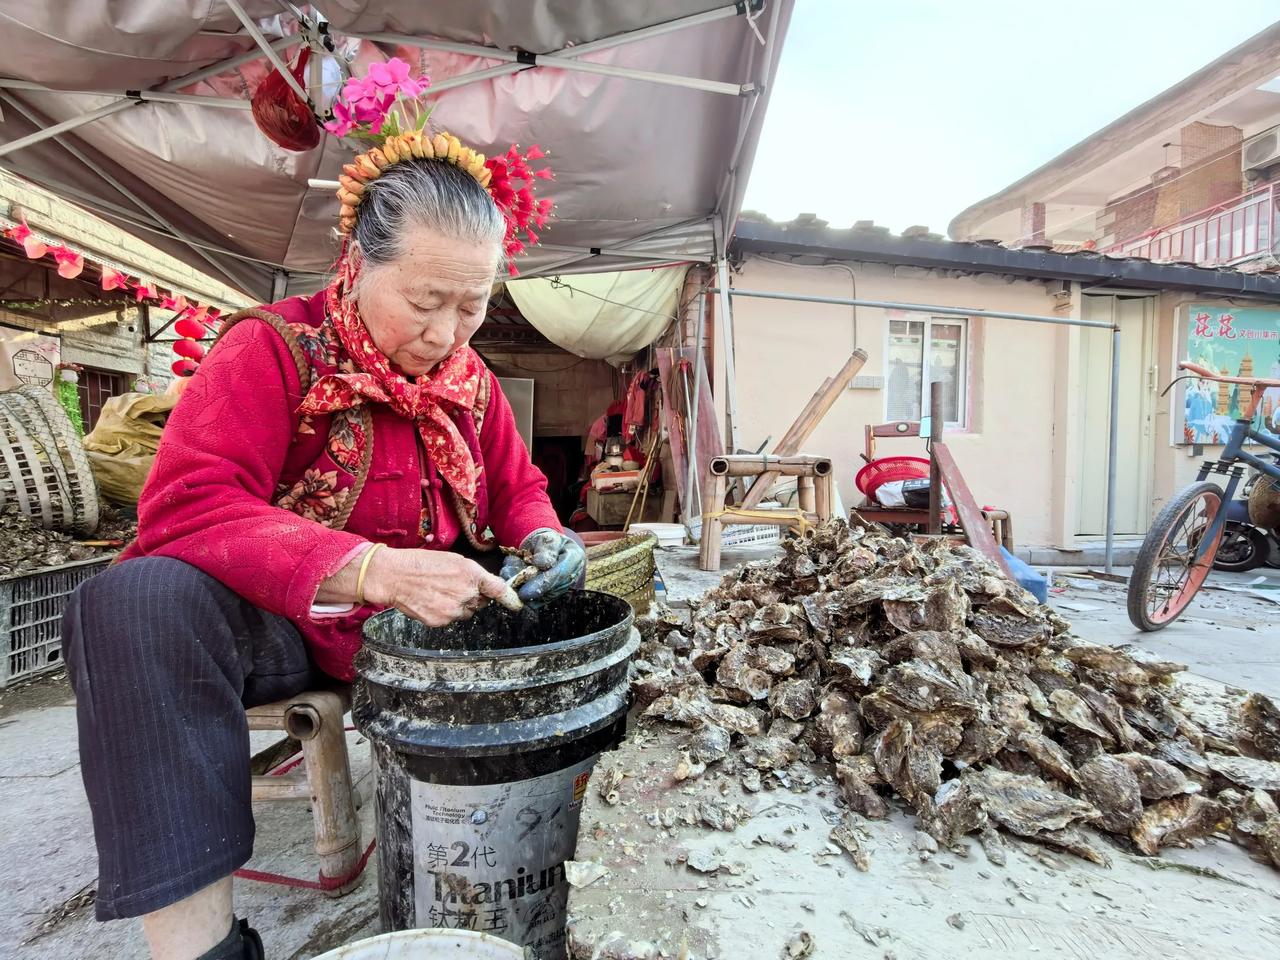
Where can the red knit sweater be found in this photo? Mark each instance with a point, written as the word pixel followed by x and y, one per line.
pixel 234 434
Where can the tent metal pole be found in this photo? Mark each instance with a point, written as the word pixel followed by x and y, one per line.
pixel 748 111
pixel 1113 449
pixel 920 308
pixel 730 366
pixel 561 60
pixel 476 76
pixel 265 46
pixel 726 12
pixel 112 108
pixel 579 50
pixel 647 235
pixel 134 198
pixel 59 128
pixel 158 96
pixel 646 76
pixel 694 507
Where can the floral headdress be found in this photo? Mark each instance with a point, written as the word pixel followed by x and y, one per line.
pixel 370 109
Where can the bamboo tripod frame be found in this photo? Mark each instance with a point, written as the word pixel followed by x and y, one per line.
pixel 815 494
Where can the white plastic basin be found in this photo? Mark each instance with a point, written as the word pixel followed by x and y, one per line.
pixel 429 944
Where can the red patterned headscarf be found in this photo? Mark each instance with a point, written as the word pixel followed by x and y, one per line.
pixel 453 383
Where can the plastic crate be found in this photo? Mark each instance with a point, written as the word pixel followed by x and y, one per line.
pixel 31 607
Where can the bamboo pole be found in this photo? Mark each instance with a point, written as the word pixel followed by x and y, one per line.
pixel 807 422
pixel 713 524
pixel 805 495
pixel 824 489
pixel 750 465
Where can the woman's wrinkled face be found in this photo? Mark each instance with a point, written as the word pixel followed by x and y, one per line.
pixel 429 302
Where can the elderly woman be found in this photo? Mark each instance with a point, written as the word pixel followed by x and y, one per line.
pixel 334 455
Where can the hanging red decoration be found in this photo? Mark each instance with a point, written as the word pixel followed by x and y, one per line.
pixel 171 302
pixel 191 328
pixel 189 349
pixel 31 244
pixel 145 290
pixel 70 263
pixel 113 279
pixel 285 118
pixel 183 367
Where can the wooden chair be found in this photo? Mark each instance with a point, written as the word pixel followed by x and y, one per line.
pixel 313 721
pixel 1001 522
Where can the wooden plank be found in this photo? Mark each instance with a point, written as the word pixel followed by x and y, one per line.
pixel 976 526
pixel 935 474
pixel 800 431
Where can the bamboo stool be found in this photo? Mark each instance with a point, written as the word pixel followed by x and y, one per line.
pixel 815 493
pixel 313 719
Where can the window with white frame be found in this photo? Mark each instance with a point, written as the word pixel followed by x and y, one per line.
pixel 920 351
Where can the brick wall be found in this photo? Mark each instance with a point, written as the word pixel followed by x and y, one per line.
pixel 1208 173
pixel 1211 155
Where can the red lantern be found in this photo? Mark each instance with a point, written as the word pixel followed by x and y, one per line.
pixel 184 367
pixel 189 349
pixel 190 328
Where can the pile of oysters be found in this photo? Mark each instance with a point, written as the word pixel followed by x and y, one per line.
pixel 920 672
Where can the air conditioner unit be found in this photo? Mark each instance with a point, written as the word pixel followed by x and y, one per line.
pixel 1260 151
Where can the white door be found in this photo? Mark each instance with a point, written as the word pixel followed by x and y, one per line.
pixel 1133 476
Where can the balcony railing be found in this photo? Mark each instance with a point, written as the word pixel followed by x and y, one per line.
pixel 1229 233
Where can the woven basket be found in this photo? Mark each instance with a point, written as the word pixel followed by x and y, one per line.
pixel 43 466
pixel 1264 503
pixel 624 568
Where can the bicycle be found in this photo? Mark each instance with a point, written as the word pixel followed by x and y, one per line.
pixel 1179 549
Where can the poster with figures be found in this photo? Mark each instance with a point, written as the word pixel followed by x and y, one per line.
pixel 1239 342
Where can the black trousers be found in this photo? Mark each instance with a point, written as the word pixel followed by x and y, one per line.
pixel 164 659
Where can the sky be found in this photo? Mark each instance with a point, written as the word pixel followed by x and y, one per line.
pixel 906 112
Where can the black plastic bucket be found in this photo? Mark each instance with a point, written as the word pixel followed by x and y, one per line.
pixel 484 734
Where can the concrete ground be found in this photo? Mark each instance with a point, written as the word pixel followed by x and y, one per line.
pixel 1211 899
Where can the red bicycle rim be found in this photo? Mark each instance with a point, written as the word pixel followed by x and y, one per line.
pixel 1196 571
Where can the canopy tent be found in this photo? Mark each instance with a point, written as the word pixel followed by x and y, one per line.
pixel 139 110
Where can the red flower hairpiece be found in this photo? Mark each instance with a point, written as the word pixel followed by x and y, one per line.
pixel 367 109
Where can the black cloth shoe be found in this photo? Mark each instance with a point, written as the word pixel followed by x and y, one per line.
pixel 242 943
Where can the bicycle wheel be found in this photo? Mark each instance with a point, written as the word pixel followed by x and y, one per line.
pixel 1166 576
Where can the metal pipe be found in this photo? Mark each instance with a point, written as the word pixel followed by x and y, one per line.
pixel 699 364
pixel 1113 445
pixel 123 104
pixel 921 308
pixel 70 124
pixel 134 198
pixel 730 365
pixel 564 59
pixel 265 46
pixel 726 12
pixel 476 76
pixel 158 96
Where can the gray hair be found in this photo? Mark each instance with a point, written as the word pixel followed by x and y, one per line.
pixel 430 193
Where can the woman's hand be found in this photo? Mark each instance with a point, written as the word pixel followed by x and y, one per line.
pixel 559 559
pixel 433 586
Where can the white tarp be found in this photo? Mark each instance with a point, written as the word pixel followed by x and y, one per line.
pixel 645 166
pixel 602 316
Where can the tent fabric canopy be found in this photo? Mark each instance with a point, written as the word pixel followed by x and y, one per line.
pixel 651 130
pixel 602 316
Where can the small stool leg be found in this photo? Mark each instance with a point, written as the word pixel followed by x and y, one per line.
pixel 709 552
pixel 317 722
pixel 805 494
pixel 823 497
